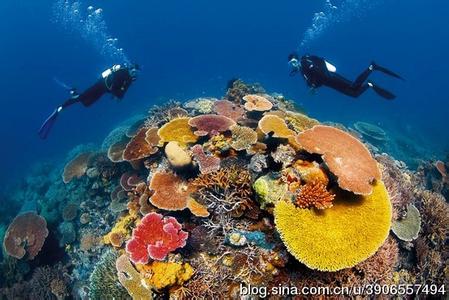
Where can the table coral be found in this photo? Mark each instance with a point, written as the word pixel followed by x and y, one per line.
pixel 25 236
pixel 115 151
pixel 229 109
pixel 257 103
pixel 242 137
pixel 139 147
pixel 177 130
pixel 299 122
pixel 77 167
pixel 345 156
pixel 155 237
pixel 371 131
pixel 170 191
pixel 210 124
pixel 207 163
pixel 275 125
pixel 407 228
pixel 336 238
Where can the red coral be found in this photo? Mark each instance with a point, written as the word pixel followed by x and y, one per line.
pixel 25 235
pixel 210 124
pixel 207 163
pixel 155 237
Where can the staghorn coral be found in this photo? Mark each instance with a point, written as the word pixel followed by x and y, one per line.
pixel 177 156
pixel 25 236
pixel 154 238
pixel 207 163
pixel 77 167
pixel 336 238
pixel 177 130
pixel 160 275
pixel 314 194
pixel 257 103
pixel 229 109
pixel 242 137
pixel 139 146
pixel 104 280
pixel 345 156
pixel 131 280
pixel 210 124
pixel 407 228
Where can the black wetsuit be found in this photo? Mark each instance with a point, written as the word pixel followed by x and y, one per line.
pixel 116 83
pixel 316 73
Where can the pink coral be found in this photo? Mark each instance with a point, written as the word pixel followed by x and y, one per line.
pixel 155 237
pixel 25 235
pixel 210 124
pixel 229 109
pixel 207 163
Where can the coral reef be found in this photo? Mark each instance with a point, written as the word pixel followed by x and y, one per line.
pixel 195 200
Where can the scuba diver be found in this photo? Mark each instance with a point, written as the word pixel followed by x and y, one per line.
pixel 115 80
pixel 318 72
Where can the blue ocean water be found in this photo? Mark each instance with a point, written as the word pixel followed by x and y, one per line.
pixel 190 49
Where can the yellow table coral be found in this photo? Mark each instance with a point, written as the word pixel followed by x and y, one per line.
pixel 177 130
pixel 339 237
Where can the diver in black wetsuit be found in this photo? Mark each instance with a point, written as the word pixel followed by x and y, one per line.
pixel 318 72
pixel 115 80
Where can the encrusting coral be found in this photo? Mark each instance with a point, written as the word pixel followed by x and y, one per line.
pixel 345 156
pixel 336 238
pixel 160 275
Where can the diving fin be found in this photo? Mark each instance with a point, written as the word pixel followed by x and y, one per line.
pixel 381 92
pixel 386 71
pixel 48 124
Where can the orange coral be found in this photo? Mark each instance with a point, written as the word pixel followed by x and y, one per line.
pixel 257 103
pixel 172 193
pixel 77 167
pixel 139 147
pixel 314 194
pixel 346 157
pixel 177 130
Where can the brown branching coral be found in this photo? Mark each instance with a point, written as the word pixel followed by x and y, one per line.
pixel 314 194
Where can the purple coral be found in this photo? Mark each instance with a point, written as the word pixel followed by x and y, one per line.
pixel 229 109
pixel 210 124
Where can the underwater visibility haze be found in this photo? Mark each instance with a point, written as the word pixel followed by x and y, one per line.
pixel 184 162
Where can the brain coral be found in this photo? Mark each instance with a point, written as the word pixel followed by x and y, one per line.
pixel 336 238
pixel 345 156
pixel 177 130
pixel 25 235
pixel 77 167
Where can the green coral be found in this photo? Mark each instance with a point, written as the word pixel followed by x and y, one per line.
pixel 407 229
pixel 104 282
pixel 269 190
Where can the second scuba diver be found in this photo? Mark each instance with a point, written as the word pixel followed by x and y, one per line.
pixel 115 81
pixel 318 72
